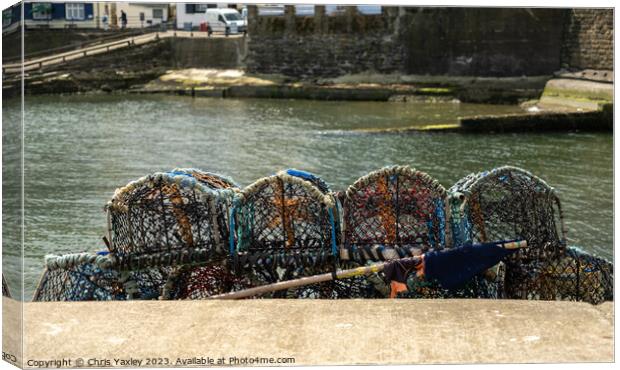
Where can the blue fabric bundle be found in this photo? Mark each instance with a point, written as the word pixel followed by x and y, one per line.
pixel 452 268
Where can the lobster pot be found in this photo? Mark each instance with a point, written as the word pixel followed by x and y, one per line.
pixel 209 179
pixel 285 225
pixel 509 203
pixel 574 275
pixel 5 288
pixel 166 219
pixel 79 282
pixel 147 284
pixel 200 282
pixel 95 277
pixel 390 213
pixel 395 208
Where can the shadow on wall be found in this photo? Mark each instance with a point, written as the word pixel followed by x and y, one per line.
pixel 483 42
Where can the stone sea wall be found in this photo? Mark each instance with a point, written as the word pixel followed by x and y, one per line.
pixel 117 70
pixel 125 68
pixel 488 42
pixel 207 53
pixel 322 45
pixel 589 39
pixel 497 42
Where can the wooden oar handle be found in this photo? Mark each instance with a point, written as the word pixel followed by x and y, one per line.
pixel 341 274
pixel 514 245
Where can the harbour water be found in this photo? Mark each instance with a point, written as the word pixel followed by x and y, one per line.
pixel 79 149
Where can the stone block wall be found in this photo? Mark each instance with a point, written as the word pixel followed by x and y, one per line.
pixel 588 39
pixel 494 42
pixel 321 45
pixel 325 55
pixel 208 52
pixel 491 42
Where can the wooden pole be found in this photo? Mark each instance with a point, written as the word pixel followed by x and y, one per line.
pixel 315 279
pixel 342 274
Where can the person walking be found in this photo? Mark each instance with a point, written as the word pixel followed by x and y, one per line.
pixel 123 19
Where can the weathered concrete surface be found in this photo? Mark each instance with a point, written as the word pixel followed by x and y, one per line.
pixel 323 332
pixel 237 83
pixel 577 94
pixel 12 330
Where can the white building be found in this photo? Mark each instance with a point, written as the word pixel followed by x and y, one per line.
pixel 56 15
pixel 140 14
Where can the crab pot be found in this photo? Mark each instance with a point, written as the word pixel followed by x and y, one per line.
pixel 397 208
pixel 286 226
pixel 172 218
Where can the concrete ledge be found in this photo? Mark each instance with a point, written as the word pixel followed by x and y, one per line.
pixel 320 332
pixel 309 92
pixel 549 121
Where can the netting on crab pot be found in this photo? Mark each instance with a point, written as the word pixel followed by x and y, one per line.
pixel 79 277
pixel 200 282
pixel 353 287
pixel 171 218
pixel 393 212
pixel 285 226
pixel 573 275
pixel 509 203
pixel 96 277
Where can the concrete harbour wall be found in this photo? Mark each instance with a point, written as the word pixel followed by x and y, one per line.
pixel 314 332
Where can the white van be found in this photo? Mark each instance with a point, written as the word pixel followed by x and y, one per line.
pixel 225 20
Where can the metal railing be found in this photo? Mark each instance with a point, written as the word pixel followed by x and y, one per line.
pixel 76 54
pixel 32 65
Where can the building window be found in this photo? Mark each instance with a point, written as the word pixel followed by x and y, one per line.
pixel 41 11
pixel 74 11
pixel 198 8
pixel 7 17
pixel 202 8
pixel 158 14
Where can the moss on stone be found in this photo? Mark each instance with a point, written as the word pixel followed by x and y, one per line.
pixel 436 90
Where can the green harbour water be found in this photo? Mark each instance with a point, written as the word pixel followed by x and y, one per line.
pixel 79 149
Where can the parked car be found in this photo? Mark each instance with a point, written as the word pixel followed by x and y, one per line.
pixel 225 20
